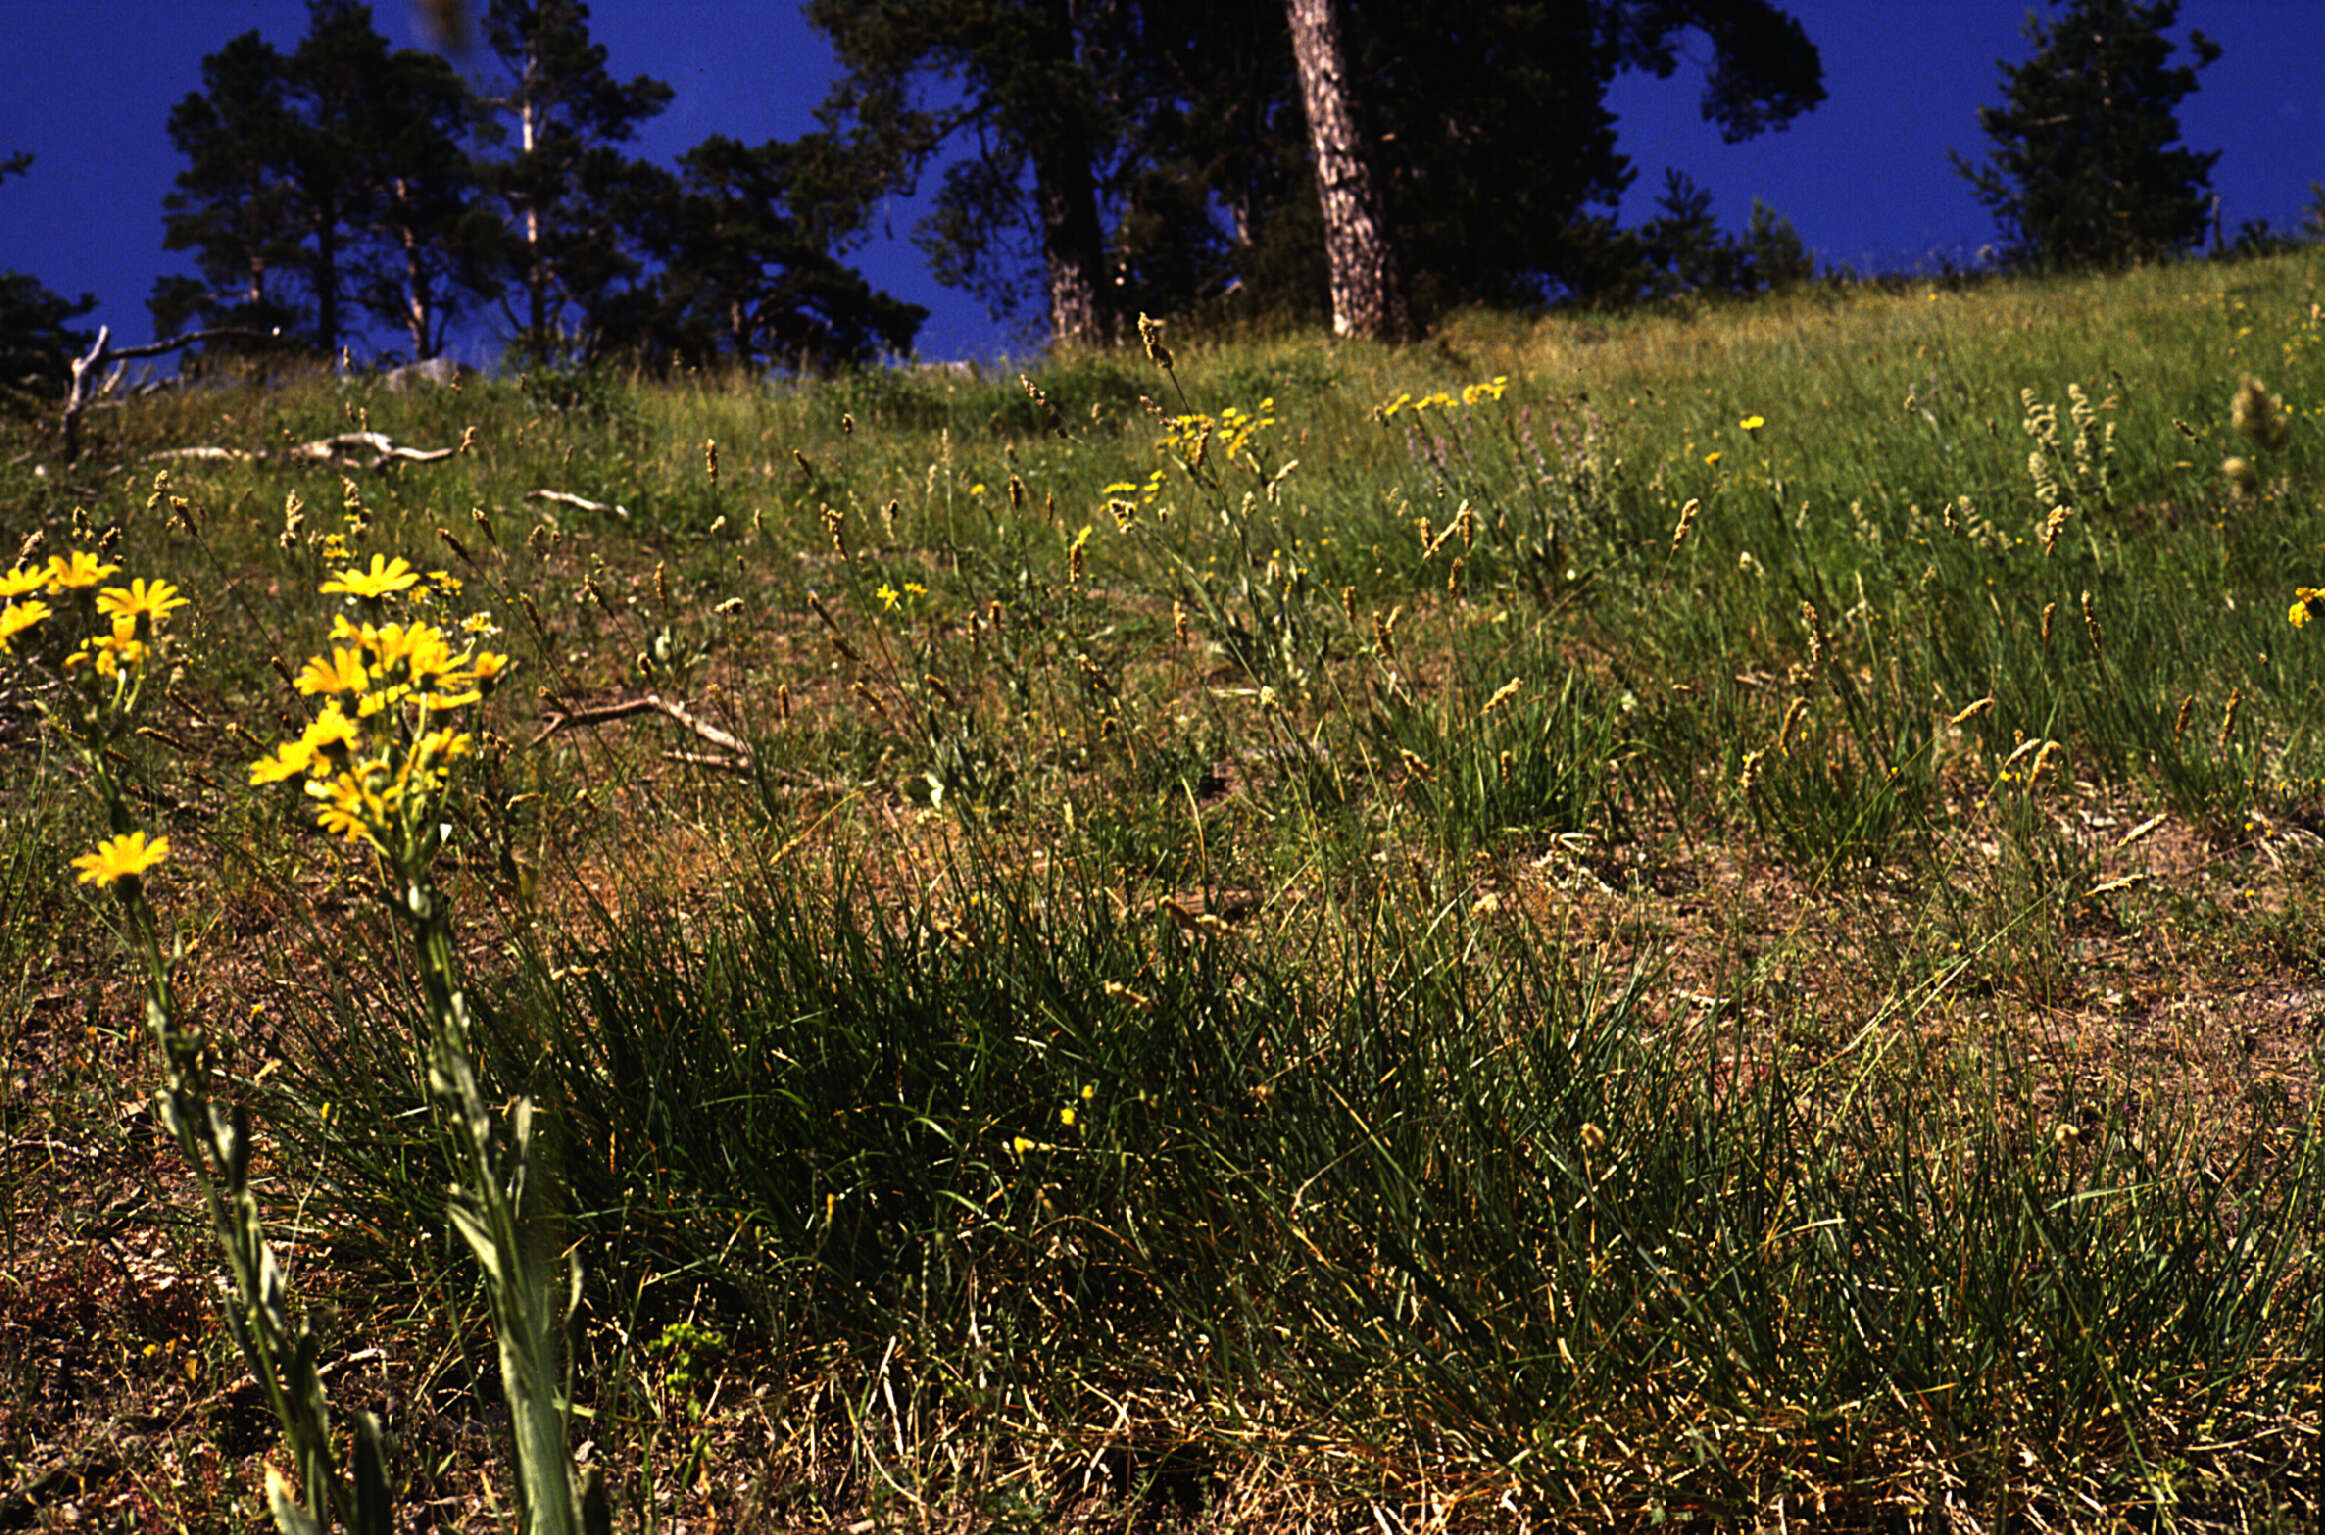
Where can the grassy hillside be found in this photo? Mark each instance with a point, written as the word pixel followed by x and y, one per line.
pixel 1705 916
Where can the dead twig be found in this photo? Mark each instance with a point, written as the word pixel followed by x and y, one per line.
pixel 98 373
pixel 341 448
pixel 737 758
pixel 583 503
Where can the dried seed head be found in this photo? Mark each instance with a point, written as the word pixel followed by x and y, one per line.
pixel 2228 716
pixel 834 526
pixel 783 700
pixel 1416 764
pixel 2243 479
pixel 2052 525
pixel 1016 493
pixel 1816 637
pixel 847 424
pixel 1453 575
pixel 710 459
pixel 1794 713
pixel 2049 611
pixel 2256 414
pixel 1749 778
pixel 2180 725
pixel 1502 695
pixel 1686 522
pixel 1179 625
pixel 2091 625
pixel 2042 760
pixel 1972 712
pixel 1122 993
pixel 1504 765
pixel 662 582
pixel 1348 604
pixel 1150 335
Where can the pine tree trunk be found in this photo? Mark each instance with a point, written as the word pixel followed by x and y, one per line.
pixel 1073 241
pixel 1368 286
pixel 1072 245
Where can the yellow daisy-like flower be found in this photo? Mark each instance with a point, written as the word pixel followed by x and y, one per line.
pixel 114 653
pixel 127 856
pixel 17 617
pixel 333 735
pixel 23 579
pixel 489 667
pixel 1712 457
pixel 1753 423
pixel 79 569
pixel 385 578
pixel 2303 597
pixel 290 760
pixel 351 806
pixel 140 601
pixel 343 673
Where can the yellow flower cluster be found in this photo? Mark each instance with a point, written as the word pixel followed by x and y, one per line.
pixel 1490 389
pixel 133 613
pixel 1232 431
pixel 2306 601
pixel 376 755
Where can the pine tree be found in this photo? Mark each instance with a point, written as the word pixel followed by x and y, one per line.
pixel 749 276
pixel 332 175
pixel 1044 82
pixel 235 205
pixel 2086 166
pixel 578 207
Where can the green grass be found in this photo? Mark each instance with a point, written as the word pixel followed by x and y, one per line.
pixel 1213 1001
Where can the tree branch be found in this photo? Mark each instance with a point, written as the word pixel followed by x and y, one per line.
pixel 86 369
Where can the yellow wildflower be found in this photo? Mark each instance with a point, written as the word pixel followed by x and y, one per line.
pixel 18 617
pixel 333 735
pixel 127 856
pixel 343 673
pixel 23 579
pixel 2302 598
pixel 1753 423
pixel 385 577
pixel 111 653
pixel 290 760
pixel 140 601
pixel 351 806
pixel 79 569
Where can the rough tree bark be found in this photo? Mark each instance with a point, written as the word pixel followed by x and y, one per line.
pixel 1073 240
pixel 1368 286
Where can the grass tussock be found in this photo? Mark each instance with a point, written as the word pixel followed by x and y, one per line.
pixel 1705 917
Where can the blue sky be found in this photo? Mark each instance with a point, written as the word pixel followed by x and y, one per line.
pixel 87 86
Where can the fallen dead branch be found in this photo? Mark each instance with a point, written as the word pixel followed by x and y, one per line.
pixel 344 447
pixel 97 374
pixel 734 753
pixel 583 503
